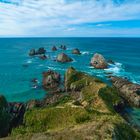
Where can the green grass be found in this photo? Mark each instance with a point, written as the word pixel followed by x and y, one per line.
pixel 97 119
pixel 64 99
pixel 124 132
pixel 78 79
pixel 40 120
pixel 110 97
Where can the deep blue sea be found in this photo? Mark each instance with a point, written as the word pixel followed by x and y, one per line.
pixel 15 80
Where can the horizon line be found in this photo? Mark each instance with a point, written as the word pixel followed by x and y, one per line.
pixel 72 37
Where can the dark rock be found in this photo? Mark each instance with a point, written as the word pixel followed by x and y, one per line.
pixel 34 83
pixel 25 65
pixel 33 104
pixel 54 48
pixel 51 79
pixel 17 111
pixel 32 52
pixel 76 51
pixel 41 51
pixel 34 80
pixel 53 99
pixel 98 61
pixel 63 58
pixel 128 90
pixel 110 62
pixel 63 47
pixel 43 57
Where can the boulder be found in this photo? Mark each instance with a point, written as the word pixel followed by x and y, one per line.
pixel 51 80
pixel 128 90
pixel 4 117
pixel 32 52
pixel 76 51
pixel 54 48
pixel 63 58
pixel 98 61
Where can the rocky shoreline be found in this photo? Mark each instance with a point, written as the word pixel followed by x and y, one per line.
pixel 77 90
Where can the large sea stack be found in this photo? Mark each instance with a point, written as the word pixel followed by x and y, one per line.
pixel 63 58
pixel 51 79
pixel 98 61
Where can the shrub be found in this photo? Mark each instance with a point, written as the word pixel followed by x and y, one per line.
pixel 4 117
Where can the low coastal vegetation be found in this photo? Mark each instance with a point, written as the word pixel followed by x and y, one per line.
pixel 86 109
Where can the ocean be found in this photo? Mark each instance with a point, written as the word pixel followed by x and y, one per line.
pixel 17 69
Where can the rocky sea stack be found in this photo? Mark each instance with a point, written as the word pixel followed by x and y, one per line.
pixel 54 48
pixel 40 51
pixel 98 61
pixel 63 58
pixel 63 47
pixel 76 51
pixel 51 79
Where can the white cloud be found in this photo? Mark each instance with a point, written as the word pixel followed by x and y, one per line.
pixel 70 29
pixel 102 25
pixel 42 17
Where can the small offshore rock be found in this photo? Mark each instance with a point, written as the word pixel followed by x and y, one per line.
pixel 41 51
pixel 110 62
pixel 76 51
pixel 51 79
pixel 54 48
pixel 32 52
pixel 63 58
pixel 34 80
pixel 43 57
pixel 25 65
pixel 98 61
pixel 63 47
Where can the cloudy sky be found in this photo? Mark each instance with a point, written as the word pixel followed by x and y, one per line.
pixel 50 18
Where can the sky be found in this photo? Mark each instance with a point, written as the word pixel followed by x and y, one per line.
pixel 69 18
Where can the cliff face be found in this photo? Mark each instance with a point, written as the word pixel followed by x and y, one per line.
pixel 86 110
pixel 128 90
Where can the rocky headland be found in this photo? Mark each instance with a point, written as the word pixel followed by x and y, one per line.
pixel 86 108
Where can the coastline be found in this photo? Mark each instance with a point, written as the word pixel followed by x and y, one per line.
pixel 104 102
pixel 67 94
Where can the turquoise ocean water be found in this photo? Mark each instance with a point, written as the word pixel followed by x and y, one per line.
pixel 15 80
